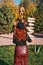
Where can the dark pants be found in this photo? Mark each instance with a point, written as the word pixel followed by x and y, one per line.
pixel 21 55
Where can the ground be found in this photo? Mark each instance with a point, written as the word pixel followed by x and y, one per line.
pixel 7 39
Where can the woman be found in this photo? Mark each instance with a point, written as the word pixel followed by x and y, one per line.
pixel 19 38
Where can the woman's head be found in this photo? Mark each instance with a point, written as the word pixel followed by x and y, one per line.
pixel 21 11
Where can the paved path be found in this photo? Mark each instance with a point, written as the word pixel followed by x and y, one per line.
pixel 7 39
pixel 35 40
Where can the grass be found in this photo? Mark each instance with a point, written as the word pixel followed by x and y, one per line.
pixel 7 55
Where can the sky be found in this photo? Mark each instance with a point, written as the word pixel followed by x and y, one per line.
pixel 17 1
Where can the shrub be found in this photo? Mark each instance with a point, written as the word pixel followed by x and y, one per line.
pixel 6 18
pixel 39 19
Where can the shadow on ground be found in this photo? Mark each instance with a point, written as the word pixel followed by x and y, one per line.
pixel 3 63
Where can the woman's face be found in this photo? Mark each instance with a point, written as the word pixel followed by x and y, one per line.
pixel 21 12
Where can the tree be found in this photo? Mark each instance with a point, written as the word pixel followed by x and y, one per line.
pixel 13 7
pixel 6 18
pixel 31 9
pixel 39 19
pixel 24 3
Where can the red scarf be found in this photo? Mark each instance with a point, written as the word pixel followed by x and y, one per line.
pixel 21 34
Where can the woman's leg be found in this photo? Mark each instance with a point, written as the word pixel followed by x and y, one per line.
pixel 21 55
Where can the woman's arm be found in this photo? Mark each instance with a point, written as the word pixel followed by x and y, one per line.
pixel 28 38
pixel 14 33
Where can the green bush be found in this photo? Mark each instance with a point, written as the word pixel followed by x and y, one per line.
pixel 6 18
pixel 39 19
